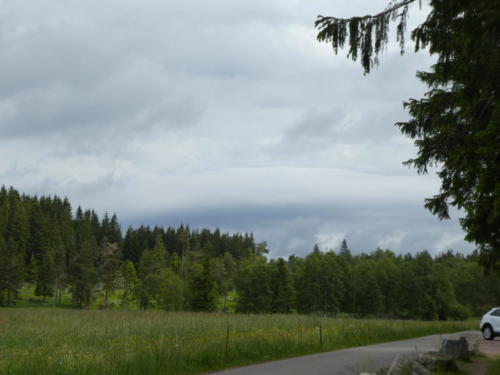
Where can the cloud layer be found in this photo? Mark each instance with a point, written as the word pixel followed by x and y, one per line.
pixel 224 114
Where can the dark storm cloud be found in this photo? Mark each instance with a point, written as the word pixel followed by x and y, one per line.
pixel 295 229
pixel 219 113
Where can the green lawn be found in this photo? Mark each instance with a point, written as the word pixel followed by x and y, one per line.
pixel 65 341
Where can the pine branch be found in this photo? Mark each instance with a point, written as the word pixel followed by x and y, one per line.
pixel 359 31
pixel 389 10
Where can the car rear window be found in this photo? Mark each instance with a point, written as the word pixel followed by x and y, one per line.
pixel 496 312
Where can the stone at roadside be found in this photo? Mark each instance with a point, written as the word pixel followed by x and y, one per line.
pixel 437 361
pixel 473 340
pixel 403 365
pixel 458 349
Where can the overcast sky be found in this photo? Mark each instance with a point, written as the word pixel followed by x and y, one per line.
pixel 217 113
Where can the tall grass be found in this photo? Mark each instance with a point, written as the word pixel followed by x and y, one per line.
pixel 61 341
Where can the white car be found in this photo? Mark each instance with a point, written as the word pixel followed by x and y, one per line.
pixel 490 324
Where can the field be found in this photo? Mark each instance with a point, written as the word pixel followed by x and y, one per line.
pixel 65 341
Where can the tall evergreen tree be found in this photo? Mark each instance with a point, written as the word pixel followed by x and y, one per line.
pixel 83 273
pixel 15 246
pixel 345 252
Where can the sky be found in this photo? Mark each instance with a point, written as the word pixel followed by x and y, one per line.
pixel 216 113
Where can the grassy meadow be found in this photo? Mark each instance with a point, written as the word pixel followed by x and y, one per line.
pixel 66 341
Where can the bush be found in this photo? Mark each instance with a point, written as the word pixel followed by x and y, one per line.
pixel 460 312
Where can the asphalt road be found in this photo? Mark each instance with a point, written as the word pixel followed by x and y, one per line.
pixel 490 348
pixel 348 361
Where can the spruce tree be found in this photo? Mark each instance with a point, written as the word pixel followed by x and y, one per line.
pixel 345 252
pixel 44 250
pixel 83 274
pixel 15 245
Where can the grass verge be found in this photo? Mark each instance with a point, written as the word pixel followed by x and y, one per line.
pixel 61 341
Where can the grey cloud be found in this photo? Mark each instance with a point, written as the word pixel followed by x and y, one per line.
pixel 217 113
pixel 295 229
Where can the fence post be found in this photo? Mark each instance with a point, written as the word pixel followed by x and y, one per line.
pixel 226 350
pixel 320 334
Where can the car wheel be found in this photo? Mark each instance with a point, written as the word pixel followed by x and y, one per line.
pixel 488 333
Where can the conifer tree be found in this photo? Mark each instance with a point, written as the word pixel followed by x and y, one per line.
pixel 43 248
pixel 15 246
pixel 83 274
pixel 31 270
pixel 345 252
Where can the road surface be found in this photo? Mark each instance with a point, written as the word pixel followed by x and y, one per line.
pixel 347 361
pixel 490 348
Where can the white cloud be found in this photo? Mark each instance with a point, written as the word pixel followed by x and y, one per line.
pixel 392 241
pixel 448 241
pixel 329 241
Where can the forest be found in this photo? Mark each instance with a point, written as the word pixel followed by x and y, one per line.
pixel 46 246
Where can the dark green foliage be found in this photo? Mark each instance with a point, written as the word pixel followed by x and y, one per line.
pixel 109 268
pixel 129 278
pixel 367 36
pixel 253 285
pixel 318 283
pixel 203 288
pixel 83 273
pixel 172 291
pixel 42 244
pixel 11 272
pixel 83 268
pixel 366 290
pixel 282 287
pixel 150 275
pixel 13 244
pixel 456 126
pixel 345 252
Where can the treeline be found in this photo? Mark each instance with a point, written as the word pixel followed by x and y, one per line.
pixel 379 284
pixel 43 244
